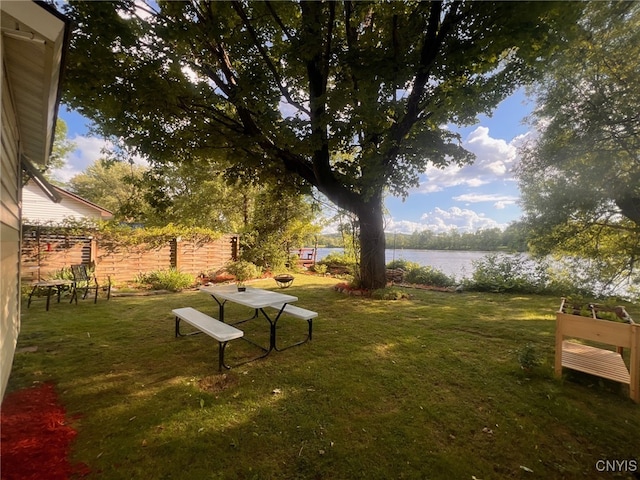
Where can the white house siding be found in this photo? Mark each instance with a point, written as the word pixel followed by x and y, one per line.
pixel 32 42
pixel 38 209
pixel 9 234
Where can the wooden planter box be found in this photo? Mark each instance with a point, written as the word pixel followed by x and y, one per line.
pixel 605 363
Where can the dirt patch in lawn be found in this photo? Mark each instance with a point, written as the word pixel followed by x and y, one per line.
pixel 217 383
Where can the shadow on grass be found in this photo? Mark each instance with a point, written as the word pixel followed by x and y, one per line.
pixel 426 387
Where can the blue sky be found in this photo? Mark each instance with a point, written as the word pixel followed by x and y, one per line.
pixel 482 195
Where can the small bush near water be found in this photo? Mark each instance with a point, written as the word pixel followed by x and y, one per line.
pixel 519 274
pixel 422 275
pixel 170 279
pixel 338 260
pixel 500 273
pixel 429 276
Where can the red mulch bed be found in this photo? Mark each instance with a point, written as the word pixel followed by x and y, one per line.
pixel 35 437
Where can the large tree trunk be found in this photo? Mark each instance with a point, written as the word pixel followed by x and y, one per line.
pixel 372 245
pixel 629 207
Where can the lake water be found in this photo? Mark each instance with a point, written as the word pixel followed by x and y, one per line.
pixel 453 263
pixel 457 264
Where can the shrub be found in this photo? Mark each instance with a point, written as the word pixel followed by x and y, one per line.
pixel 389 293
pixel 170 279
pixel 339 263
pixel 66 274
pixel 338 259
pixel 405 265
pixel 414 273
pixel 495 273
pixel 429 276
pixel 519 274
pixel 243 270
pixel 320 269
pixel 528 357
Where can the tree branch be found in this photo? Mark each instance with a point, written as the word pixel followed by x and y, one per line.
pixel 434 37
pixel 237 6
pixel 278 20
pixel 217 49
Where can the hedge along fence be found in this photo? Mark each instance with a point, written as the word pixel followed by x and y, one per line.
pixel 123 254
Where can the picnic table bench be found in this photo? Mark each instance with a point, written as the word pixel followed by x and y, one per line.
pixel 220 331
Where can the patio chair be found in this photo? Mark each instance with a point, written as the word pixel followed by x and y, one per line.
pixel 83 281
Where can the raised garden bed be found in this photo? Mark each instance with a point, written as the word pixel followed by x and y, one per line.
pixel 600 359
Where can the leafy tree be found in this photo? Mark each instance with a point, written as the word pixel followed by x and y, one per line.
pixel 272 217
pixel 353 97
pixel 114 186
pixel 279 221
pixel 580 178
pixel 62 147
pixel 196 195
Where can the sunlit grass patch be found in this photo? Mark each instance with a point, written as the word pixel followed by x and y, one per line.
pixel 426 387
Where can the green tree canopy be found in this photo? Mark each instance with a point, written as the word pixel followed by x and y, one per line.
pixel 62 147
pixel 195 195
pixel 353 97
pixel 580 177
pixel 114 186
pixel 272 216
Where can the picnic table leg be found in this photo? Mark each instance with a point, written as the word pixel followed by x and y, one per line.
pixel 272 329
pixel 220 308
pixel 221 348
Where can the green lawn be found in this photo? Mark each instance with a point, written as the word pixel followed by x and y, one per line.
pixel 429 387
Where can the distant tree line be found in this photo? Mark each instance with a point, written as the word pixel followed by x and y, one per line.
pixel 512 239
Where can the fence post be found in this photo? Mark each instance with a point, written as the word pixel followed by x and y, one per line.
pixel 234 248
pixel 93 250
pixel 177 257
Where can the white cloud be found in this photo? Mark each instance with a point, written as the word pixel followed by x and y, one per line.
pixel 502 205
pixel 495 159
pixel 403 226
pixel 499 201
pixel 465 220
pixel 440 220
pixel 88 151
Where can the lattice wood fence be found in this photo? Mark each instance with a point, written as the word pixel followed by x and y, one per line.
pixel 44 254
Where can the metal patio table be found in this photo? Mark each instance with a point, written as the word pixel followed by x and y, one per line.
pixel 58 284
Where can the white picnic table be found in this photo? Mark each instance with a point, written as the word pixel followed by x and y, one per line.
pixel 255 298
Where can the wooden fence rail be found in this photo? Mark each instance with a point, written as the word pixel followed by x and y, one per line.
pixel 45 254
